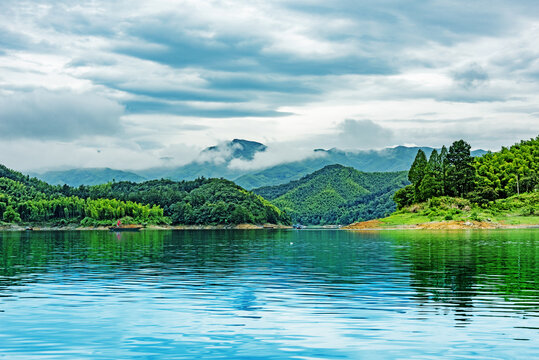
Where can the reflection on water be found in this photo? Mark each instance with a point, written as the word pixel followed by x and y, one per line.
pixel 269 294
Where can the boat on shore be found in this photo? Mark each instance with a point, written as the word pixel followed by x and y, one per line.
pixel 126 228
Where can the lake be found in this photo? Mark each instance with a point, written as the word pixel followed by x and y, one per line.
pixel 270 294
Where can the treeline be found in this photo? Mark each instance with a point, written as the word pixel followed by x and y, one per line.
pixel 201 201
pixel 21 203
pixel 484 179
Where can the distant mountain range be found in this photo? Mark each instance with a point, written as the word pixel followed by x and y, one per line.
pixel 87 176
pixel 214 162
pixel 337 194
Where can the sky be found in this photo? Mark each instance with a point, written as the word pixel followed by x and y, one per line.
pixel 137 84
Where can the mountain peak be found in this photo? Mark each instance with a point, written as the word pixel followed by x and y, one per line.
pixel 236 149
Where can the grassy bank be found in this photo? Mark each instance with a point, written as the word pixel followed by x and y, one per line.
pixel 448 212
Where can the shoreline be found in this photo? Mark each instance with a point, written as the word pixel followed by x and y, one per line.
pixel 39 227
pixel 370 225
pixel 377 224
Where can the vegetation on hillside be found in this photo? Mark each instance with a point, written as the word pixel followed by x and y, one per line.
pixel 514 210
pixel 202 201
pixel 482 180
pixel 336 195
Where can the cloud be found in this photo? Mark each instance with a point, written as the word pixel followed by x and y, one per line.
pixel 471 76
pixel 282 72
pixel 276 153
pixel 363 134
pixel 62 115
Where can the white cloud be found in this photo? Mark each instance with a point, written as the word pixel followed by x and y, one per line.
pixel 42 114
pixel 190 74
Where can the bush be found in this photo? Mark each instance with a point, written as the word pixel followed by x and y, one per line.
pixel 11 216
pixel 475 216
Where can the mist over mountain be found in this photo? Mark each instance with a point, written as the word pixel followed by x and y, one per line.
pixel 87 176
pixel 217 162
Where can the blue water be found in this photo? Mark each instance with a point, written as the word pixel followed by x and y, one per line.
pixel 269 295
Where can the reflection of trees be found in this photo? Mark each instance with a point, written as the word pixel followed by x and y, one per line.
pixel 451 268
pixel 455 268
pixel 24 255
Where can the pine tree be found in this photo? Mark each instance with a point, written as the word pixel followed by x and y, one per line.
pixel 443 164
pixel 460 172
pixel 418 171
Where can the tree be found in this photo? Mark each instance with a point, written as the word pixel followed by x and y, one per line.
pixel 443 164
pixel 460 172
pixel 404 197
pixel 11 216
pixel 435 164
pixel 418 170
pixel 430 187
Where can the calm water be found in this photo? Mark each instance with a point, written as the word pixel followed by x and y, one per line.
pixel 269 295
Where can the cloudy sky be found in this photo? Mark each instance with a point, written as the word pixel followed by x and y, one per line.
pixel 133 84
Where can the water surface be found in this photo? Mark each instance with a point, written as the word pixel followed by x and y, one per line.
pixel 269 295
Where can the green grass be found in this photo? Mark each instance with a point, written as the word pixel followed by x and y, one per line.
pixel 517 210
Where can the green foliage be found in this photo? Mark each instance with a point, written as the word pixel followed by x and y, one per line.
pixel 404 197
pixel 336 195
pixel 510 171
pixel 482 180
pixel 518 209
pixel 418 170
pixel 430 186
pixel 460 170
pixel 11 216
pixel 219 201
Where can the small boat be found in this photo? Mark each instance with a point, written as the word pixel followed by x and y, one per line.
pixel 125 228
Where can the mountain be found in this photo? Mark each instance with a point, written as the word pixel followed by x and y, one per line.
pixel 212 162
pixel 398 158
pixel 238 149
pixel 337 194
pixel 87 176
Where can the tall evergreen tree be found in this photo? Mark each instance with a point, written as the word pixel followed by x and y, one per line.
pixel 435 165
pixel 443 163
pixel 431 185
pixel 417 171
pixel 461 173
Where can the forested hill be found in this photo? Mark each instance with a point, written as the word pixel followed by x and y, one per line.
pixel 28 200
pixel 337 194
pixel 200 201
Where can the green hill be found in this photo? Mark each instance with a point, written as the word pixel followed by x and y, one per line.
pixel 336 195
pixel 201 201
pixel 27 200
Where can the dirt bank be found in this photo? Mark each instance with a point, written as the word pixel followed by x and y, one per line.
pixel 436 225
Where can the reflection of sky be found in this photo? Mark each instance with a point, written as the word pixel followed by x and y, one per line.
pixel 269 306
